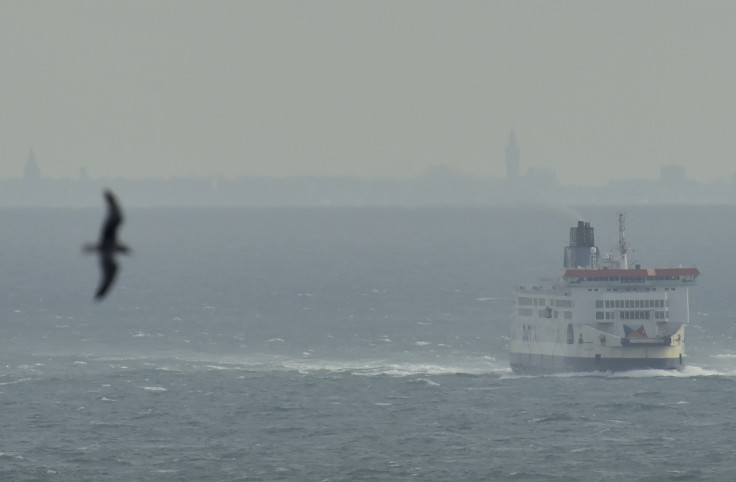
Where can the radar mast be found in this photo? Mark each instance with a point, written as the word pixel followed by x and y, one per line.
pixel 622 240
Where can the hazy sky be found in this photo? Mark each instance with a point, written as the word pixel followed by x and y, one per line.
pixel 595 90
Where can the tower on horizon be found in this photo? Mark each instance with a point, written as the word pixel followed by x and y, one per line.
pixel 31 171
pixel 512 158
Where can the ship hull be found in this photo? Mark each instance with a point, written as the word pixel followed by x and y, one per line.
pixel 527 364
pixel 591 350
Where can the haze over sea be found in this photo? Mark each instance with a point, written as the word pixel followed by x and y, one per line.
pixel 344 344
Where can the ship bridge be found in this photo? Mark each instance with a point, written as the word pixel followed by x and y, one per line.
pixel 639 276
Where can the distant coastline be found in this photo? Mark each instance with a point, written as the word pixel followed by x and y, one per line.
pixel 434 189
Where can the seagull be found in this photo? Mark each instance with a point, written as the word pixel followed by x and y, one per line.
pixel 108 245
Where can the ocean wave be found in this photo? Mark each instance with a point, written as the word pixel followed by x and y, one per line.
pixel 263 363
pixel 394 369
pixel 155 389
pixel 19 380
pixel 727 356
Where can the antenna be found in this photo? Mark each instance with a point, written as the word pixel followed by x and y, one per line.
pixel 622 240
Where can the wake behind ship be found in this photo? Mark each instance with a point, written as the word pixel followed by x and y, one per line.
pixel 601 315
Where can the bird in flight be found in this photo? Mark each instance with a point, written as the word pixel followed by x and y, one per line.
pixel 108 245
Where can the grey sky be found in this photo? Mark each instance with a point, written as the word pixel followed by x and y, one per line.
pixel 594 90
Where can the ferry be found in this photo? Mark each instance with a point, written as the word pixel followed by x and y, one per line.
pixel 601 314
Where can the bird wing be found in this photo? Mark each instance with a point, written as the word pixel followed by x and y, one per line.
pixel 109 269
pixel 113 220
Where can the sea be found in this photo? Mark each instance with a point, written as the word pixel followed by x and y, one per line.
pixel 344 344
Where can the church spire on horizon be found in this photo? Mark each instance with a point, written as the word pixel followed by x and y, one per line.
pixel 512 158
pixel 31 171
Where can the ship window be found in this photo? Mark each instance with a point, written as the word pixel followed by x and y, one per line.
pixel 598 315
pixel 599 303
pixel 570 335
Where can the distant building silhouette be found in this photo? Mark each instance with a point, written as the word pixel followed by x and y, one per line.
pixel 31 171
pixel 672 174
pixel 512 158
